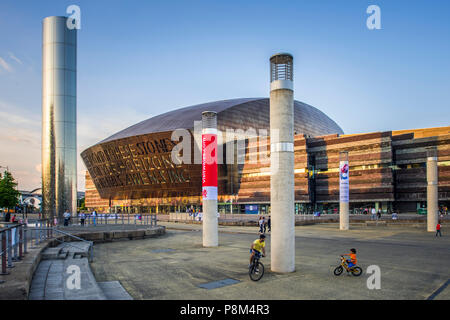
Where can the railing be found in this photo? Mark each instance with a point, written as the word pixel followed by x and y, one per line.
pixel 62 239
pixel 13 245
pixel 115 218
pixel 16 238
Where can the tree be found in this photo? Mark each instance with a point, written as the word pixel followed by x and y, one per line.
pixel 9 195
pixel 81 204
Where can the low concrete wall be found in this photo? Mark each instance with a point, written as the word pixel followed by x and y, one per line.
pixel 114 235
pixel 17 282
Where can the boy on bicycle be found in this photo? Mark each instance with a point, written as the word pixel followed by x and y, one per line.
pixel 352 261
pixel 258 247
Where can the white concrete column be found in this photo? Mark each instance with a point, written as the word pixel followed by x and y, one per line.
pixel 209 179
pixel 432 190
pixel 343 191
pixel 282 237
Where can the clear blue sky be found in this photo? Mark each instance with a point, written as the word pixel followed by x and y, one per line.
pixel 137 59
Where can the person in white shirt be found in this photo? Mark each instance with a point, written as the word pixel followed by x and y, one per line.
pixel 82 218
pixel 374 213
pixel 66 218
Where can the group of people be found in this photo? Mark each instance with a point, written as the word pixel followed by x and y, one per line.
pixel 263 224
pixel 195 213
pixel 8 217
pixel 82 217
pixel 376 215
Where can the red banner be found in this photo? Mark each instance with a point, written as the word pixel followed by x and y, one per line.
pixel 209 166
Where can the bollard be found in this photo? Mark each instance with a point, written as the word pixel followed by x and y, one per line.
pixel 4 243
pixel 16 238
pixel 20 242
pixel 25 239
pixel 9 249
pixel 35 237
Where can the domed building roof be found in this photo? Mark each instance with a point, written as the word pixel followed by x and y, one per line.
pixel 241 113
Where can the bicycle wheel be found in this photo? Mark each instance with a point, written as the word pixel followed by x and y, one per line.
pixel 256 271
pixel 356 271
pixel 338 271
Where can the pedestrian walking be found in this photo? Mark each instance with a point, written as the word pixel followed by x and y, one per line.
pixel 265 225
pixel 66 218
pixel 379 214
pixel 7 216
pixel 438 229
pixel 94 217
pixel 261 224
pixel 268 223
pixel 82 218
pixel 374 213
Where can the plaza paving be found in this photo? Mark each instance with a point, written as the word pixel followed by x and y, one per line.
pixel 414 264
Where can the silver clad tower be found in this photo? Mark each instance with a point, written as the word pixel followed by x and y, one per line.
pixel 282 163
pixel 59 142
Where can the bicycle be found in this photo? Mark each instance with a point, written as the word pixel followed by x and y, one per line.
pixel 355 270
pixel 256 269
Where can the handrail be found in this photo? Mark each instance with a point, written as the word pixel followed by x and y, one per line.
pixel 114 218
pixel 91 243
pixel 14 241
pixel 12 227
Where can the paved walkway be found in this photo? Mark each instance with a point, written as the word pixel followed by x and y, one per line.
pixel 414 264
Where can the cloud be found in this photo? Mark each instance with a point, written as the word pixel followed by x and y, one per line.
pixel 5 65
pixel 13 57
pixel 20 144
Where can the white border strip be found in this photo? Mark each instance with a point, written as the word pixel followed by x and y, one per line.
pixel 209 193
pixel 209 131
pixel 282 147
pixel 281 84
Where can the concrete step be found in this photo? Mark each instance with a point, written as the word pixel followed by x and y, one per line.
pixel 78 249
pixel 51 253
pixel 113 290
pixel 63 255
pixel 378 223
